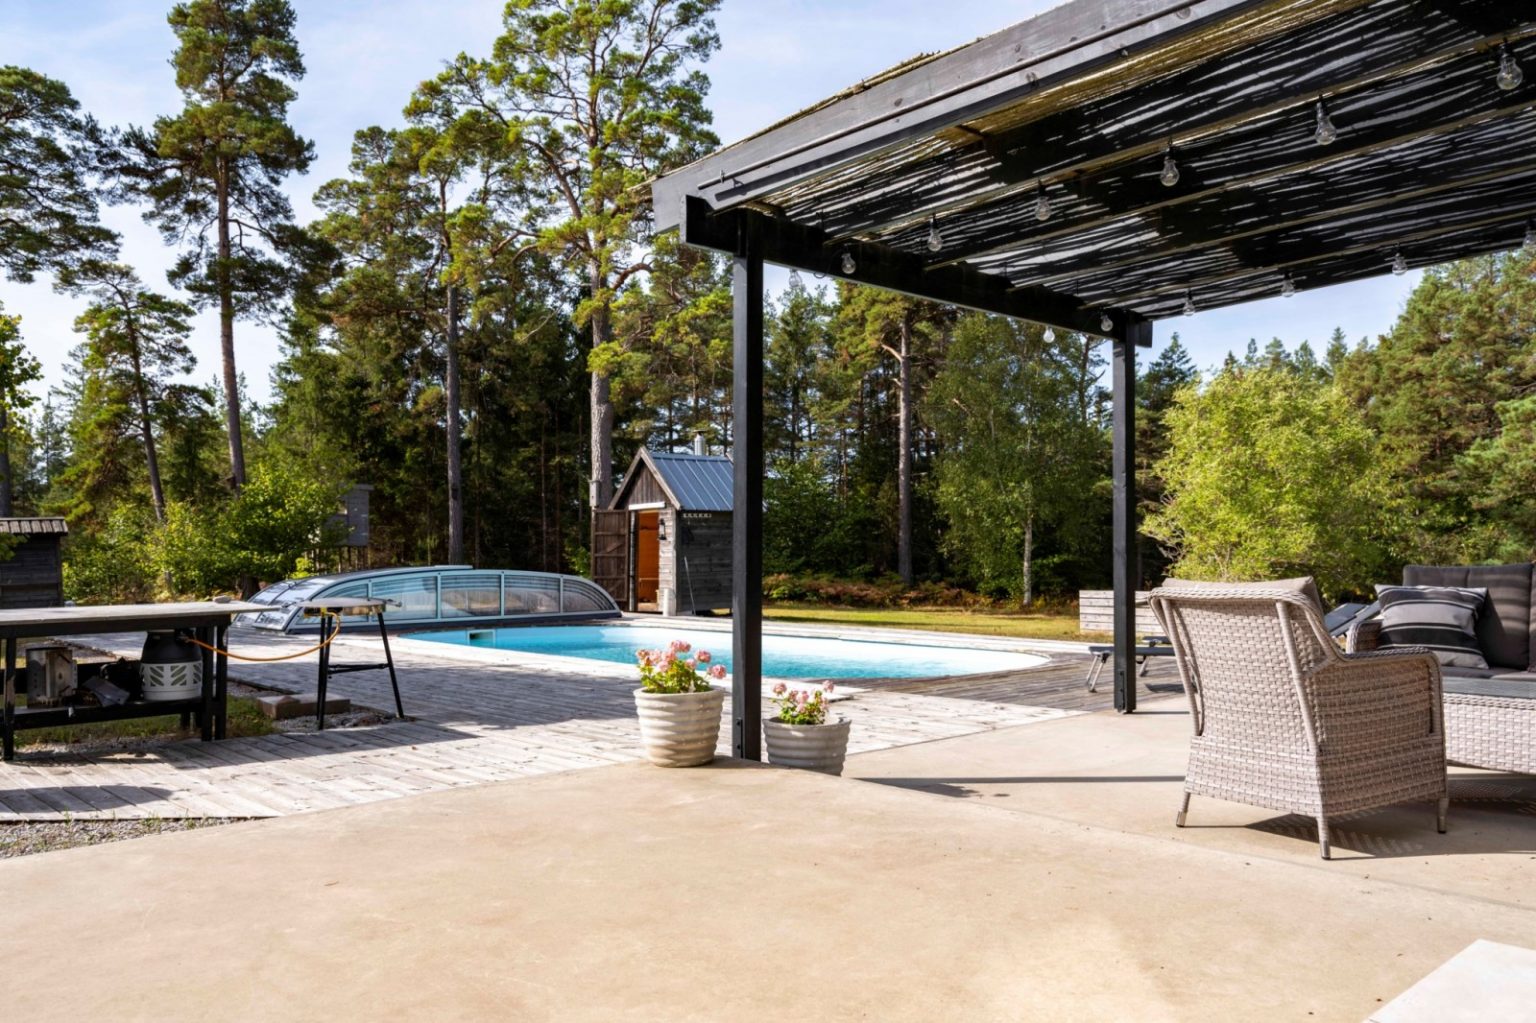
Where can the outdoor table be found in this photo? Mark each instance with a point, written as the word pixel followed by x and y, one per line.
pixel 350 607
pixel 208 622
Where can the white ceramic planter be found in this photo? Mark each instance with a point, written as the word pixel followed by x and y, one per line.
pixel 812 747
pixel 679 729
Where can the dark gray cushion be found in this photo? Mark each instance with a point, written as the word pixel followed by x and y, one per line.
pixel 1506 629
pixel 1500 688
pixel 1441 619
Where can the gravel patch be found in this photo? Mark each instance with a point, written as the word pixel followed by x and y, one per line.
pixel 22 838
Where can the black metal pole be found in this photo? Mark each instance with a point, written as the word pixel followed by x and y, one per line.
pixel 1124 508
pixel 747 513
pixel 8 742
pixel 324 674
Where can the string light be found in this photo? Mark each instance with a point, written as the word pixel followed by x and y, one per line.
pixel 1189 303
pixel 1049 337
pixel 1399 264
pixel 1106 324
pixel 1170 175
pixel 1183 13
pixel 1530 234
pixel 1287 286
pixel 935 239
pixel 850 265
pixel 1327 131
pixel 1042 205
pixel 1510 75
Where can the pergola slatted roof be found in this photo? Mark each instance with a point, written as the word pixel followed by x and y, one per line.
pixel 1081 104
pixel 1432 161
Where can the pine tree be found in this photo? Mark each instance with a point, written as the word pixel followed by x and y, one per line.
pixel 212 173
pixel 48 152
pixel 18 370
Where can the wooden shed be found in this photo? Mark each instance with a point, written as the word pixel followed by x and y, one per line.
pixel 664 542
pixel 33 576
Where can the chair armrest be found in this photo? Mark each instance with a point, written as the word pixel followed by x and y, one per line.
pixel 1363 636
pixel 1376 695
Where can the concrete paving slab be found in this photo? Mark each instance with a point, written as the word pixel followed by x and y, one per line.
pixel 1126 772
pixel 733 892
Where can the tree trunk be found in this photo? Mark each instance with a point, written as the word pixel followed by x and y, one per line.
pixel 455 460
pixel 5 461
pixel 602 407
pixel 904 461
pixel 151 457
pixel 227 336
pixel 1027 579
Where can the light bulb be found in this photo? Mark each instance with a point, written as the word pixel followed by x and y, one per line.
pixel 1042 206
pixel 850 265
pixel 794 279
pixel 1189 303
pixel 1106 324
pixel 1510 75
pixel 1399 264
pixel 1183 13
pixel 1049 336
pixel 935 239
pixel 1170 175
pixel 1326 131
pixel 1530 234
pixel 1287 286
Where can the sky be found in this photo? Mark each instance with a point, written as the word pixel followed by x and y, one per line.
pixel 364 57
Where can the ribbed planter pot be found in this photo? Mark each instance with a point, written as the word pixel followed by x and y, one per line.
pixel 812 747
pixel 679 729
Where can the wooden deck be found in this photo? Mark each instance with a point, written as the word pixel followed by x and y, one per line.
pixel 1059 685
pixel 474 718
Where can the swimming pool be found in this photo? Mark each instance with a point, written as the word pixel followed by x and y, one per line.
pixel 783 656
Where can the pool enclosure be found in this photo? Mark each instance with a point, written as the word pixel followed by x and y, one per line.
pixel 441 595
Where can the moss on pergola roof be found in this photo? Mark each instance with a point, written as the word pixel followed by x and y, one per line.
pixel 1082 105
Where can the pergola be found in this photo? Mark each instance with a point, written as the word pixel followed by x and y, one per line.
pixel 1111 163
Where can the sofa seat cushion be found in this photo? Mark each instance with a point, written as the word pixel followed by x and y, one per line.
pixel 1506 628
pixel 1441 619
pixel 1513 687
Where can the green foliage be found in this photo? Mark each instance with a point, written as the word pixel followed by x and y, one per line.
pixel 1270 473
pixel 266 531
pixel 113 562
pixel 48 152
pixel 1023 451
pixel 1499 474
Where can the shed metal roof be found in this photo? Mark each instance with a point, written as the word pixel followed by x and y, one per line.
pixel 36 526
pixel 930 179
pixel 703 483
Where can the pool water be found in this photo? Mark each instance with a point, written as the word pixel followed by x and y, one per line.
pixel 783 656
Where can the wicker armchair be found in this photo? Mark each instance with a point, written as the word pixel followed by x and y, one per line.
pixel 1284 720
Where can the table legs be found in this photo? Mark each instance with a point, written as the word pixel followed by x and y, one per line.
pixel 205 712
pixel 8 726
pixel 389 660
pixel 325 676
pixel 221 683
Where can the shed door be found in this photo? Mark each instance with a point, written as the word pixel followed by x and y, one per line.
pixel 610 553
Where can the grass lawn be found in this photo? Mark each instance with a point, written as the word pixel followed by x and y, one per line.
pixel 938 619
pixel 245 718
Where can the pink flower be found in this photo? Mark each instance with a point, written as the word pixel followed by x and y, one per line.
pixel 675 646
pixel 802 697
pixel 692 664
pixel 717 671
pixel 703 656
pixel 668 660
pixel 827 687
pixel 778 690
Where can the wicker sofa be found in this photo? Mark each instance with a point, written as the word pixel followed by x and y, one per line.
pixel 1490 713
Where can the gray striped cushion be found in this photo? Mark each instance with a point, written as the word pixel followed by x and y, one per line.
pixel 1442 619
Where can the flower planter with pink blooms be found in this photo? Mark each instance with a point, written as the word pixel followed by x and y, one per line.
pixel 801 736
pixel 678 708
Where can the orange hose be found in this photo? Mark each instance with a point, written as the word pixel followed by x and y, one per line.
pixel 286 657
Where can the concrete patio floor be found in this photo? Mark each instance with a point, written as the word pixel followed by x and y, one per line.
pixel 1127 772
pixel 739 891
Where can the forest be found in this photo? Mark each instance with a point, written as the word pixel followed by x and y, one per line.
pixel 482 327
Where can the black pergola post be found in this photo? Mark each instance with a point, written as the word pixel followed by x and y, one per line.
pixel 1126 564
pixel 747 515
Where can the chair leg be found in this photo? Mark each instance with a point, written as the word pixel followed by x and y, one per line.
pixel 1183 813
pixel 1440 811
pixel 1099 660
pixel 1322 838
